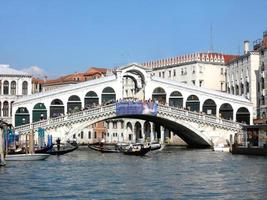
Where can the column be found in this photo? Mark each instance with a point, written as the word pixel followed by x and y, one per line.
pixel 142 131
pixel 152 130
pixel 171 137
pixel 161 134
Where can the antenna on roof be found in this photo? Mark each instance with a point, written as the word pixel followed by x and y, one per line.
pixel 211 38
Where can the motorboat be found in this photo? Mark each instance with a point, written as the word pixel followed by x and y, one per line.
pixel 26 157
pixel 221 148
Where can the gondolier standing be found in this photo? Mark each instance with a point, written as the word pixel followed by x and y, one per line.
pixel 58 143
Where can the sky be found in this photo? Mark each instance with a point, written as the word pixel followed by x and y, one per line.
pixel 65 36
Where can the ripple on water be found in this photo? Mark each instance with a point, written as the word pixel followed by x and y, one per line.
pixel 170 174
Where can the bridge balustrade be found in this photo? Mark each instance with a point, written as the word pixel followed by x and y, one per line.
pixel 162 110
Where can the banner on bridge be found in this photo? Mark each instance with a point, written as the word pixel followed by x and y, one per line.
pixel 136 108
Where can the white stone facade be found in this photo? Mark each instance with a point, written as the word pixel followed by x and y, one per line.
pixel 242 77
pixel 13 85
pixel 194 69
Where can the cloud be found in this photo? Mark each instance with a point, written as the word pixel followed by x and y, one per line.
pixel 36 72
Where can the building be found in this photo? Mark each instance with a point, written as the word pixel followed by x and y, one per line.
pixel 194 69
pixel 261 47
pixel 13 85
pixel 242 75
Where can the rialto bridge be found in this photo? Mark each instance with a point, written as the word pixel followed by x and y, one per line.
pixel 197 115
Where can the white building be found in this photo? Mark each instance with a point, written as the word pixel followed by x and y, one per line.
pixel 242 76
pixel 13 84
pixel 201 69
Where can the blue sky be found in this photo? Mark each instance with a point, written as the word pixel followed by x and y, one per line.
pixel 66 36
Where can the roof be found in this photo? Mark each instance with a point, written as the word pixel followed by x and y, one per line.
pixel 195 57
pixel 6 70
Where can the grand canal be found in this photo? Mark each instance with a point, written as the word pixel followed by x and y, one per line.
pixel 169 174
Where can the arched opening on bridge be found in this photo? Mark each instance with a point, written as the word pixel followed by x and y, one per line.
pixel 74 104
pixel 243 115
pixel 209 107
pixel 176 99
pixel 91 100
pixel 108 96
pixel 159 95
pixel 129 129
pixel 193 103
pixel 22 116
pixel 138 131
pixel 56 108
pixel 39 112
pixel 226 111
pixel 147 129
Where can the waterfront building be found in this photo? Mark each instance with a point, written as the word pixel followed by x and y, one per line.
pixel 261 47
pixel 194 69
pixel 241 75
pixel 13 85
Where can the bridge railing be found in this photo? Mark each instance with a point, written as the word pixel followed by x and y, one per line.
pixel 198 116
pixel 112 108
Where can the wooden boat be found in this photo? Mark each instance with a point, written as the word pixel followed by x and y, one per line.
pixel 63 150
pixel 155 146
pixel 261 151
pixel 36 150
pixel 135 149
pixel 26 157
pixel 103 148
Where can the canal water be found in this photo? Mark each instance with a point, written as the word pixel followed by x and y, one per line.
pixel 169 174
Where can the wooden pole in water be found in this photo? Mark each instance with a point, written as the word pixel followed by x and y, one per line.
pixel 31 141
pixel 2 155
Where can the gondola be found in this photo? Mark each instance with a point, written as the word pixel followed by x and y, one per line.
pixel 62 151
pixel 135 149
pixel 103 149
pixel 36 150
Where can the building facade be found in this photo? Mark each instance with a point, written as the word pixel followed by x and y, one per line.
pixel 13 85
pixel 194 69
pixel 242 75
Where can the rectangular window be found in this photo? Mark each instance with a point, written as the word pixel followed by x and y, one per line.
pixel 200 69
pixel 81 134
pixel 89 134
pixel 194 82
pixel 200 83
pixel 170 73
pixel 163 74
pixel 193 70
pixel 221 71
pixel 95 135
pixel 174 73
pixel 221 86
pixel 159 74
pixel 114 125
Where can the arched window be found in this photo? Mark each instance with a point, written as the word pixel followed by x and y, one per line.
pixel 6 88
pixel 56 108
pixel 24 88
pixel 159 95
pixel 11 105
pixel 243 115
pixel 13 88
pixel 108 95
pixel 22 116
pixel 5 109
pixel 193 103
pixel 176 99
pixel 39 112
pixel 209 107
pixel 91 99
pixel 74 104
pixel 226 111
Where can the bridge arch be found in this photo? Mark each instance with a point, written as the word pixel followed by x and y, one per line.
pixel 91 99
pixel 22 116
pixel 243 115
pixel 193 103
pixel 39 112
pixel 159 95
pixel 74 104
pixel 176 99
pixel 108 95
pixel 56 108
pixel 226 111
pixel 209 107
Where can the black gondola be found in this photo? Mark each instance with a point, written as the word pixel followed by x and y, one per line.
pixel 135 149
pixel 103 149
pixel 62 150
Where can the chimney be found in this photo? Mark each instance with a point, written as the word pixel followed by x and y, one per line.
pixel 264 41
pixel 246 46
